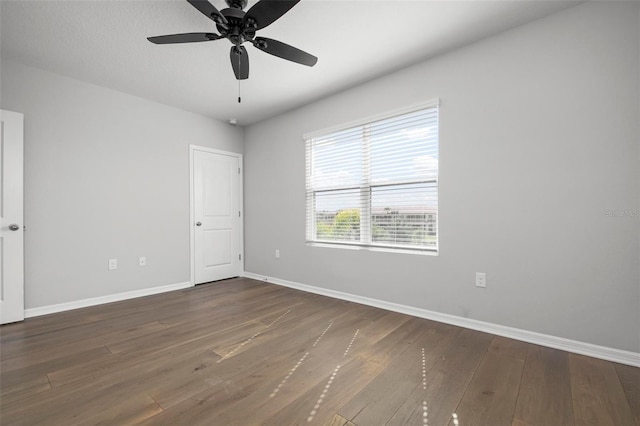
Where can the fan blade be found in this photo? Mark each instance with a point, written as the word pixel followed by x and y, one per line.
pixel 208 10
pixel 265 12
pixel 284 51
pixel 184 38
pixel 240 62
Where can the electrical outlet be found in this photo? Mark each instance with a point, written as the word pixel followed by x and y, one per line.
pixel 481 279
pixel 113 264
pixel 277 254
pixel 142 261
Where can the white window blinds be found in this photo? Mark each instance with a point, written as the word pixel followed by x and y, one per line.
pixel 375 184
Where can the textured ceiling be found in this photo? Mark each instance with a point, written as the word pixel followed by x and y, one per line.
pixel 104 42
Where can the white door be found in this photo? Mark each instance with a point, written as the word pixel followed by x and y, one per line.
pixel 216 215
pixel 11 218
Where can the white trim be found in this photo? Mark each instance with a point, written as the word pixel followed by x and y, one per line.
pixel 241 207
pixel 427 252
pixel 359 122
pixel 240 157
pixel 192 261
pixel 588 349
pixel 61 307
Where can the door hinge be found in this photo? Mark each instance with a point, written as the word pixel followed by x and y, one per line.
pixel 238 170
pixel 239 257
pixel 238 213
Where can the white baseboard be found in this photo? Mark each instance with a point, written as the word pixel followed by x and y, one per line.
pixel 588 349
pixel 52 309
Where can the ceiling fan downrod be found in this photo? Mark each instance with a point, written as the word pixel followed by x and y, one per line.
pixel 236 4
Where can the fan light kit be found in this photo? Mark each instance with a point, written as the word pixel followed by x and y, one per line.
pixel 239 27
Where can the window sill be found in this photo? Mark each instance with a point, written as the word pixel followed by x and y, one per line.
pixel 423 252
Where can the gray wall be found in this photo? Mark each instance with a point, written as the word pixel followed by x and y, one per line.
pixel 106 176
pixel 539 137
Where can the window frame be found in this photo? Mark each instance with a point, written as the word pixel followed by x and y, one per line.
pixel 366 187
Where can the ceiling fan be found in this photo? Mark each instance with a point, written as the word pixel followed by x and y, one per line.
pixel 239 27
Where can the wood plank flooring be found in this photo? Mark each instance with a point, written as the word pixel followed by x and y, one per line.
pixel 244 352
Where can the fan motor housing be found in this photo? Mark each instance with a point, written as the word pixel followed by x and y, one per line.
pixel 236 31
pixel 231 13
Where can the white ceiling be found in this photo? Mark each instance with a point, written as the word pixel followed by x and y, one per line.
pixel 104 42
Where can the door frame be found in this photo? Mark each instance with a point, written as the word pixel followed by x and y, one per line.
pixel 192 221
pixel 16 291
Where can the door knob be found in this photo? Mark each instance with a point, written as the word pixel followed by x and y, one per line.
pixel 13 227
pixel 198 223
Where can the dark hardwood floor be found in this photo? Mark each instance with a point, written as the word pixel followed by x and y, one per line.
pixel 243 352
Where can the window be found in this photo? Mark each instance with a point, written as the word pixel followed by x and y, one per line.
pixel 375 184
